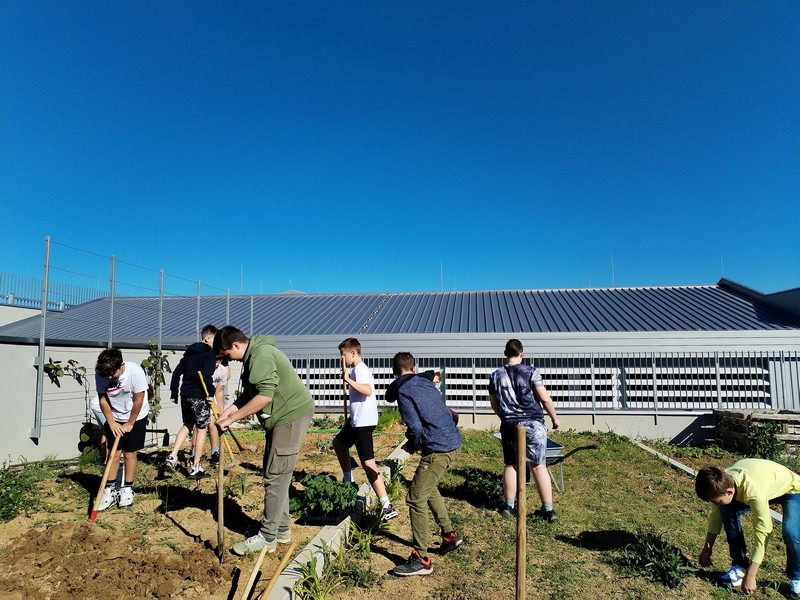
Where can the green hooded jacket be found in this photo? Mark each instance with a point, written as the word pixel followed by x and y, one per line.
pixel 267 372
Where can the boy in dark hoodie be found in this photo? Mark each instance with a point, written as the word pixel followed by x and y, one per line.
pixel 271 386
pixel 195 404
pixel 430 429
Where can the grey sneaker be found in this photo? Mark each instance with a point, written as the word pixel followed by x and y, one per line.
pixel 284 537
pixel 171 463
pixel 254 544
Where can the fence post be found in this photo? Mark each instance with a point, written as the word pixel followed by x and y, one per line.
pixel 111 304
pixel 36 430
pixel 522 472
pixel 655 387
pixel 474 392
pixel 197 315
pixel 228 307
pixel 594 395
pixel 251 316
pixel 160 308
pixel 719 383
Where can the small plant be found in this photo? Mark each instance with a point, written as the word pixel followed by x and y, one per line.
pixel 155 366
pixel 18 489
pixel 54 371
pixel 387 418
pixel 324 446
pixel 314 585
pixel 653 557
pixel 763 441
pixel 396 481
pixel 370 525
pixel 324 422
pixel 323 496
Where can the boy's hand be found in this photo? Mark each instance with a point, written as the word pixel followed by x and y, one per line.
pixel 174 400
pixel 705 557
pixel 749 583
pixel 556 423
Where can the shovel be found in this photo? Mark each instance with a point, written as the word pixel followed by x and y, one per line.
pixel 107 470
pixel 233 435
pixel 232 462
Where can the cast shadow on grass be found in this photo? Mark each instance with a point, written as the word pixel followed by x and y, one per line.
pixel 480 487
pixel 613 539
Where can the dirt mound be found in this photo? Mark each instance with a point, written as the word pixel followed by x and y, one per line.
pixel 84 560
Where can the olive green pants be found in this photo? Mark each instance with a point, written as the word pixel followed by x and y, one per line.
pixel 424 495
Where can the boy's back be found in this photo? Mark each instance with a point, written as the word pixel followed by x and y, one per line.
pixel 363 409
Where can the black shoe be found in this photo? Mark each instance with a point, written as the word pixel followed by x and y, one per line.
pixel 414 565
pixel 450 541
pixel 547 515
pixel 507 511
pixel 214 459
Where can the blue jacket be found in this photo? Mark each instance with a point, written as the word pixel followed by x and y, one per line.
pixel 429 423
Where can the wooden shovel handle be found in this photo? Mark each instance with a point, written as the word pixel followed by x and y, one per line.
pixel 107 470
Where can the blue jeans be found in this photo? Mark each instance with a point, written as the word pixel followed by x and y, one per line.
pixel 732 524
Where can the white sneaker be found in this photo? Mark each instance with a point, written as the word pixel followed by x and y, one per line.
pixel 126 497
pixel 109 498
pixel 733 576
pixel 198 472
pixel 794 589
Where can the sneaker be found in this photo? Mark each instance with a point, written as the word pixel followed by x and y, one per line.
pixel 794 589
pixel 414 565
pixel 733 577
pixel 254 544
pixel 389 512
pixel 214 459
pixel 508 511
pixel 171 463
pixel 109 498
pixel 547 515
pixel 126 497
pixel 284 537
pixel 450 541
pixel 198 472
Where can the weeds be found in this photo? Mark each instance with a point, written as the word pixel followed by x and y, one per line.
pixel 395 483
pixel 318 584
pixel 323 495
pixel 763 441
pixel 652 557
pixel 18 489
pixel 387 418
pixel 369 526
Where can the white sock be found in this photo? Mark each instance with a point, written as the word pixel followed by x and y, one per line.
pixel 385 501
pixel 511 502
pixel 348 476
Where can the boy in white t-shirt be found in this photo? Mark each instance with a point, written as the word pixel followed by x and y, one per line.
pixel 362 422
pixel 122 389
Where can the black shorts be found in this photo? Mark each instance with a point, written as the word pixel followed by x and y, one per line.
pixel 361 437
pixel 133 441
pixel 195 412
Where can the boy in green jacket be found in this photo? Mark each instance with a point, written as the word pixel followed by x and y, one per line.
pixel 751 484
pixel 269 385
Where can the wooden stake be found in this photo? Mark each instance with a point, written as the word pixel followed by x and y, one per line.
pixel 279 570
pixel 254 574
pixel 522 471
pixel 344 387
pixel 107 470
pixel 216 416
pixel 220 504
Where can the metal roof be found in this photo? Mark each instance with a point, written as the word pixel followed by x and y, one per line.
pixel 726 306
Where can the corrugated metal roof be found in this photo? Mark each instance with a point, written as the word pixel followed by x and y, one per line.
pixel 648 309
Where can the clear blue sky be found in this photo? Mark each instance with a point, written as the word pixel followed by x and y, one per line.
pixel 345 146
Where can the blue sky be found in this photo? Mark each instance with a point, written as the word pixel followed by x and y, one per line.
pixel 401 146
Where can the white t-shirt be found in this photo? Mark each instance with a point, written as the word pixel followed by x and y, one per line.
pixel 363 409
pixel 120 396
pixel 220 378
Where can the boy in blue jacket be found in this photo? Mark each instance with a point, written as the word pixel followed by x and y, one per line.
pixel 430 429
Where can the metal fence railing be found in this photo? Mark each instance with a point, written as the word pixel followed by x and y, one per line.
pixel 19 290
pixel 596 382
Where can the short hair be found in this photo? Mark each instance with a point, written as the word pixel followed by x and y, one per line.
pixel 712 483
pixel 350 344
pixel 208 330
pixel 226 337
pixel 403 361
pixel 513 348
pixel 108 362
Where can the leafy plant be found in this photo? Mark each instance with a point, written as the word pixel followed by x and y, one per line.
pixel 53 370
pixel 396 481
pixel 324 446
pixel 479 488
pixel 155 366
pixel 18 489
pixel 654 558
pixel 763 441
pixel 314 585
pixel 362 533
pixel 324 422
pixel 324 495
pixel 387 418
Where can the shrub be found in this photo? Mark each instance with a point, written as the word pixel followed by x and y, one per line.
pixel 763 443
pixel 318 586
pixel 396 479
pixel 387 418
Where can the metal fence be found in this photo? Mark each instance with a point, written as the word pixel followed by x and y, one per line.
pixel 19 290
pixel 595 382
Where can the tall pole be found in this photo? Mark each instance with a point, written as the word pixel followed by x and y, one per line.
pixel 197 315
pixel 522 472
pixel 111 305
pixel 36 430
pixel 160 308
pixel 228 307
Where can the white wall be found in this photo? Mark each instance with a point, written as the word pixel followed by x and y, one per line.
pixel 63 408
pixel 10 313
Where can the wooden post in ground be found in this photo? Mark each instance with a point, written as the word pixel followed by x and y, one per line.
pixel 221 500
pixel 522 471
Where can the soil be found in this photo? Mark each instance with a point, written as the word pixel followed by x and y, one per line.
pixel 165 545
